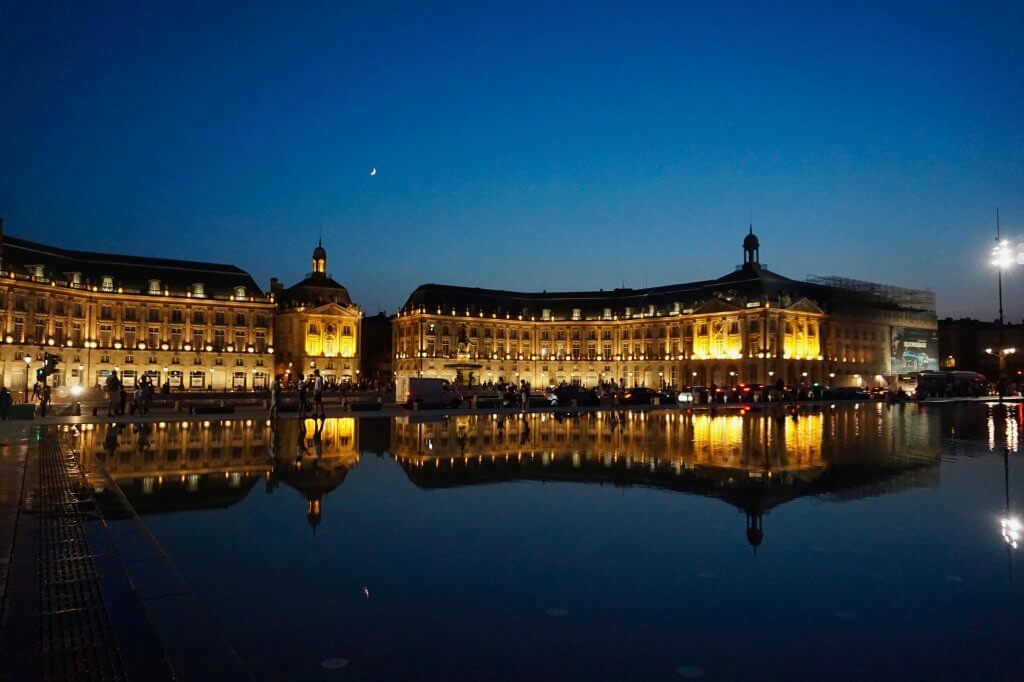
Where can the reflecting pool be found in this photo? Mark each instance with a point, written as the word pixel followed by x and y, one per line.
pixel 853 542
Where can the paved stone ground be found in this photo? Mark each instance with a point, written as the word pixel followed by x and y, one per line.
pixel 13 452
pixel 84 598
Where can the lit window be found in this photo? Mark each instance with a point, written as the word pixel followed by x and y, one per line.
pixel 239 292
pixel 154 287
pixel 107 283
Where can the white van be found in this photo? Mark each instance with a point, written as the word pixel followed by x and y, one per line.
pixel 428 392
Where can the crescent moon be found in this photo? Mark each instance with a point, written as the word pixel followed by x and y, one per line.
pixel 373 171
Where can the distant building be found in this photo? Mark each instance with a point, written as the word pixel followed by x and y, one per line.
pixel 751 325
pixel 194 325
pixel 963 344
pixel 197 326
pixel 317 326
pixel 377 349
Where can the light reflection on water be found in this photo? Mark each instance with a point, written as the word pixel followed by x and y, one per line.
pixel 625 522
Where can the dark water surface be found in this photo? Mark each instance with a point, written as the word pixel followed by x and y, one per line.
pixel 848 543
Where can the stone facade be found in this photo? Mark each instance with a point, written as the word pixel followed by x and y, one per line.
pixel 195 325
pixel 751 325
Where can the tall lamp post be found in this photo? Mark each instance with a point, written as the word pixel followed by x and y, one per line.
pixel 1002 258
pixel 28 363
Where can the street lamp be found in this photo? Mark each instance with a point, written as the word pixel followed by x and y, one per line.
pixel 28 362
pixel 1002 258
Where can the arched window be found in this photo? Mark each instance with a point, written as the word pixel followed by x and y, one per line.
pixel 107 283
pixel 198 289
pixel 239 292
pixel 330 345
pixel 154 287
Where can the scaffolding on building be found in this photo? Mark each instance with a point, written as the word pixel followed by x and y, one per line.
pixel 907 299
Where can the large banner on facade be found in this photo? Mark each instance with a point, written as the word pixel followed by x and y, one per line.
pixel 913 350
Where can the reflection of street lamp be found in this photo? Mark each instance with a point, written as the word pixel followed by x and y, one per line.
pixel 28 362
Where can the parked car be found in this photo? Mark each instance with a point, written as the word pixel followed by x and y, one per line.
pixel 846 393
pixel 644 396
pixel 426 392
pixel 563 396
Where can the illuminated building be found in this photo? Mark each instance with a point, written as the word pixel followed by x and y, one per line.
pixel 195 325
pixel 317 326
pixel 751 325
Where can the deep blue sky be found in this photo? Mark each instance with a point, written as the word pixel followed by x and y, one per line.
pixel 522 145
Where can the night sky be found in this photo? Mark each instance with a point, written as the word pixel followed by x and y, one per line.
pixel 522 145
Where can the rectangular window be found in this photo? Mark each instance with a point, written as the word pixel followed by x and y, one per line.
pixel 153 337
pixel 129 314
pixel 218 339
pixel 198 339
pixel 129 336
pixel 239 341
pixel 240 320
pixel 76 333
pixel 106 334
pixel 198 317
pixel 106 312
pixel 261 341
pixel 219 318
pixel 196 378
pixel 19 329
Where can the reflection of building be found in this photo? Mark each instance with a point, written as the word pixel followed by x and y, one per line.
pixel 166 467
pixel 313 458
pixel 193 324
pixel 317 325
pixel 750 325
pixel 753 461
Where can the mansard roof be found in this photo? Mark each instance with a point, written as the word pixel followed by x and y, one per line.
pixel 316 289
pixel 130 273
pixel 748 284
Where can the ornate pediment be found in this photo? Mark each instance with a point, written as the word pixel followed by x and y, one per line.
pixel 805 305
pixel 334 309
pixel 717 305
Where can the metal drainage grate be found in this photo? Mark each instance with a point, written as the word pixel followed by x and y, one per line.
pixel 75 638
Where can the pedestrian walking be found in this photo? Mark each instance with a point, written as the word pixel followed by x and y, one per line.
pixel 275 397
pixel 300 388
pixel 6 400
pixel 318 395
pixel 113 393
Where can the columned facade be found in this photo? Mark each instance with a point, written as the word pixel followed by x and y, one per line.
pixel 751 326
